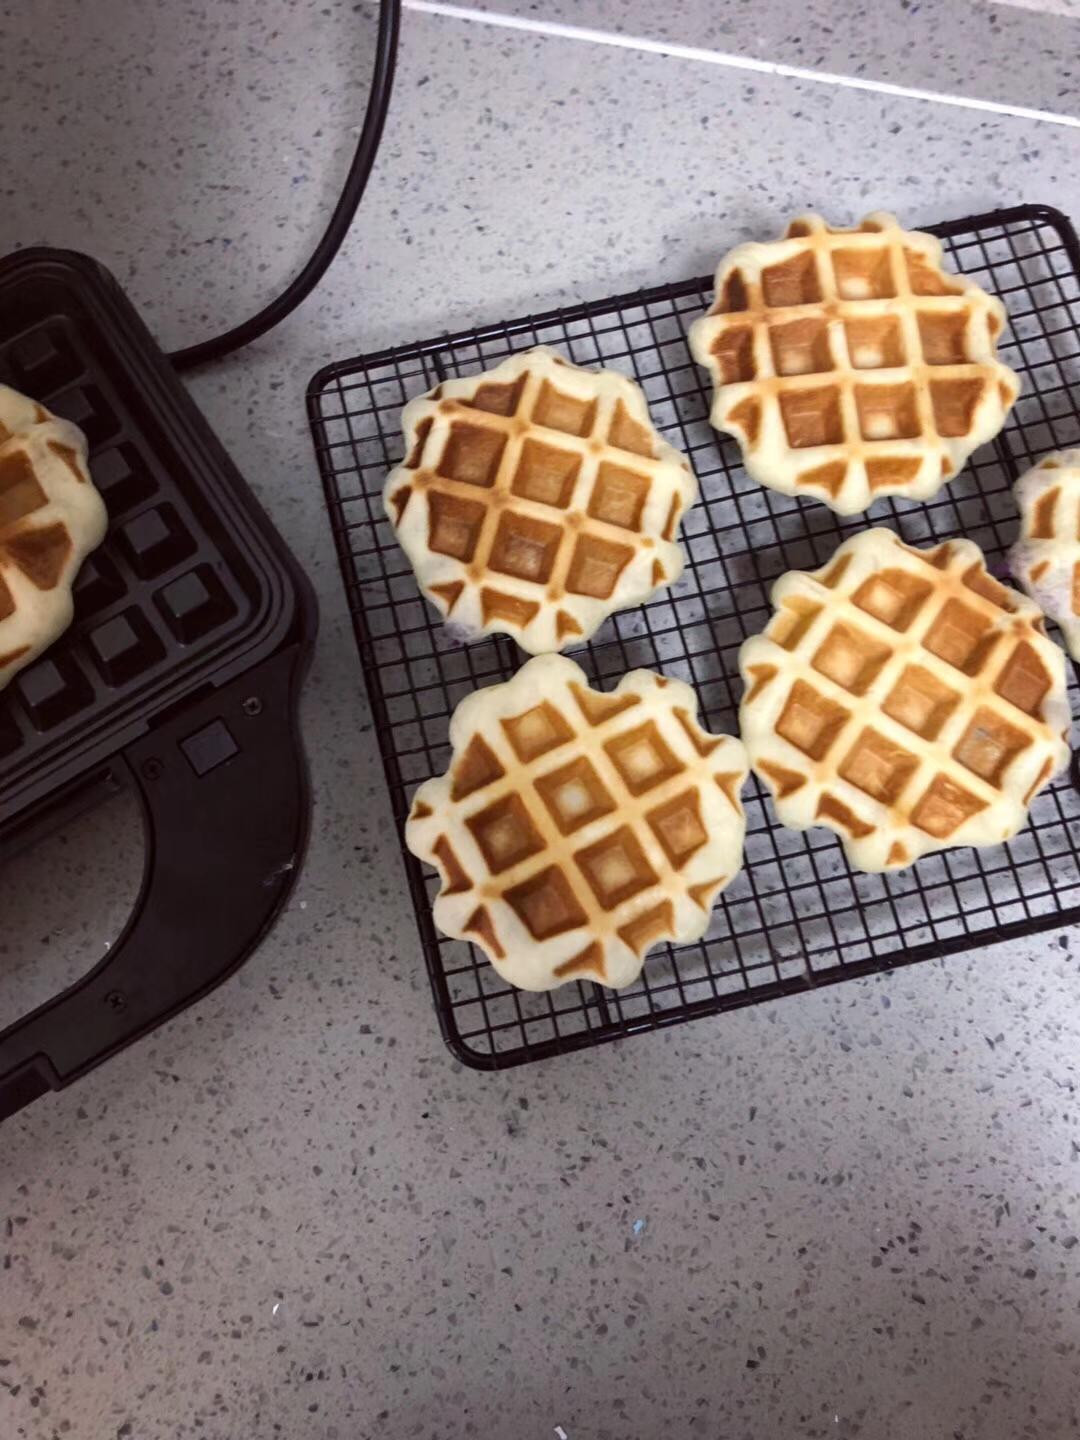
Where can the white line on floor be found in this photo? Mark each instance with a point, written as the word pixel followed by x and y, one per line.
pixel 563 31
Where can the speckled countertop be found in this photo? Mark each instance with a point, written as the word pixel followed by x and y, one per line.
pixel 290 1213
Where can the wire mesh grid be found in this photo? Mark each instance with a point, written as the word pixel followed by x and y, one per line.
pixel 797 916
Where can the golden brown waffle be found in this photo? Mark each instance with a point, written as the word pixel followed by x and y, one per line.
pixel 905 699
pixel 574 829
pixel 51 517
pixel 537 498
pixel 849 365
pixel 1046 558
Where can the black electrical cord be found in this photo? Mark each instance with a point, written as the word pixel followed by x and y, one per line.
pixel 300 288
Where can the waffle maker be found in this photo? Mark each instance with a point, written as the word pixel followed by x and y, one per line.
pixel 179 676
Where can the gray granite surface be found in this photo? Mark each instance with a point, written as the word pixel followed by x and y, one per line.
pixel 976 49
pixel 289 1212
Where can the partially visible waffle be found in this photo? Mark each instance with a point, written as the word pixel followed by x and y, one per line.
pixel 537 498
pixel 51 517
pixel 1046 558
pixel 849 366
pixel 575 829
pixel 905 699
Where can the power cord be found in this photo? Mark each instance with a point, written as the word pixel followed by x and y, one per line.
pixel 300 288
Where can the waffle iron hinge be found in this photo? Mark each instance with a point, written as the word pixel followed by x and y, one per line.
pixel 179 707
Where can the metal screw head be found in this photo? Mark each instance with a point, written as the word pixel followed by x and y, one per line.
pixel 252 705
pixel 152 769
pixel 116 1000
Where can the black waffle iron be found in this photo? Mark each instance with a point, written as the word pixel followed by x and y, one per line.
pixel 179 677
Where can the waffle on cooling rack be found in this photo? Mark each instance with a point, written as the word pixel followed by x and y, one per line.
pixel 903 698
pixel 535 499
pixel 849 366
pixel 1046 558
pixel 574 829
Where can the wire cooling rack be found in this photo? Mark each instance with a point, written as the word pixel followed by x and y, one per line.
pixel 797 917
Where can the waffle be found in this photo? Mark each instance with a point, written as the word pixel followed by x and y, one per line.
pixel 849 366
pixel 537 498
pixel 51 517
pixel 904 699
pixel 1046 558
pixel 575 829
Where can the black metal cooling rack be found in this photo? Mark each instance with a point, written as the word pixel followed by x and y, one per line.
pixel 797 917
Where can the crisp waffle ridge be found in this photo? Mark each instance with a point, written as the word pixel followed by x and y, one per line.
pixel 849 366
pixel 51 517
pixel 537 498
pixel 1046 558
pixel 574 829
pixel 905 699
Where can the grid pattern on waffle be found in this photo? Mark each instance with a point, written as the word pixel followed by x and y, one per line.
pixel 796 916
pixel 157 595
pixel 50 516
pixel 849 365
pixel 536 499
pixel 905 699
pixel 1046 558
pixel 575 828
